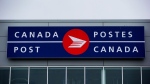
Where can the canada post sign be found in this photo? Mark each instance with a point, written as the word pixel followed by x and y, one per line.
pixel 76 42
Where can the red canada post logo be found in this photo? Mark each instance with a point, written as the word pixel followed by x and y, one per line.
pixel 75 41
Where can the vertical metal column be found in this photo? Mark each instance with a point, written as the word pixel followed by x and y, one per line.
pixel 84 76
pixel 10 75
pixel 141 74
pixel 103 76
pixel 47 75
pixel 28 74
pixel 122 74
pixel 66 76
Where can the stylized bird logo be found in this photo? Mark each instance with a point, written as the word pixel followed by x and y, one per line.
pixel 77 43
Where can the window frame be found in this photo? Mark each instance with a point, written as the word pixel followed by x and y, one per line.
pixel 141 68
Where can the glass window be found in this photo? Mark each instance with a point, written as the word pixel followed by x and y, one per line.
pixel 19 75
pixel 131 76
pixel 75 75
pixel 56 75
pixel 113 75
pixel 38 75
pixel 146 75
pixel 4 75
pixel 93 75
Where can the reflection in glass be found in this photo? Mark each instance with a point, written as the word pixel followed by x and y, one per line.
pixel 113 75
pixel 56 75
pixel 146 75
pixel 19 75
pixel 4 75
pixel 38 75
pixel 75 75
pixel 93 75
pixel 131 76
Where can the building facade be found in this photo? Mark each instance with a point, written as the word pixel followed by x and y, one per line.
pixel 74 71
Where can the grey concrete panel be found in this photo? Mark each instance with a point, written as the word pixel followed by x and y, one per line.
pixel 4 26
pixel 146 26
pixel 129 62
pixel 77 62
pixel 4 61
pixel 147 43
pixel 75 24
pixel 3 43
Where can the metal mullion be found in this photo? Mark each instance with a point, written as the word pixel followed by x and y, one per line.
pixel 10 75
pixel 47 75
pixel 66 76
pixel 141 74
pixel 104 79
pixel 28 75
pixel 122 74
pixel 84 76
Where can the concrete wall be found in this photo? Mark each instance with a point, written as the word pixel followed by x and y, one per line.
pixel 4 61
